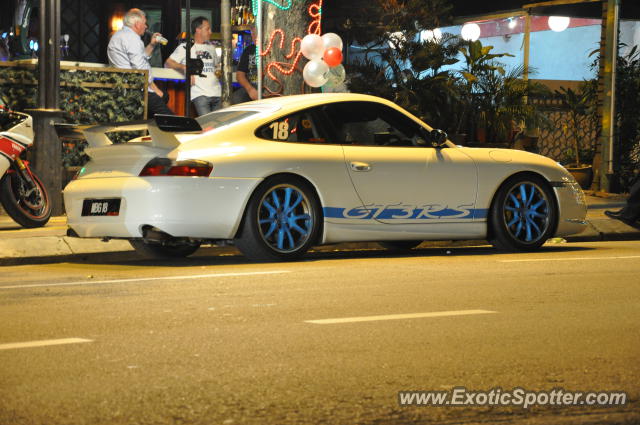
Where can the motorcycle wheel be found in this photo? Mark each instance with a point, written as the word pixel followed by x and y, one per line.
pixel 29 208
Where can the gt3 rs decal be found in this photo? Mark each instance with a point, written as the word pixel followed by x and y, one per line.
pixel 406 212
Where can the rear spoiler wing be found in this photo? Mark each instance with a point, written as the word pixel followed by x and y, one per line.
pixel 162 129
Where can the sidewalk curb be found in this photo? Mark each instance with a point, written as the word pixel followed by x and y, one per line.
pixel 605 229
pixel 65 249
pixel 25 250
pixel 49 244
pixel 52 249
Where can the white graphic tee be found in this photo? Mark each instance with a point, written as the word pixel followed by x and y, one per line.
pixel 204 86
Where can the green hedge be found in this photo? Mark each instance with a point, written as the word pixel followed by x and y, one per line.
pixel 87 96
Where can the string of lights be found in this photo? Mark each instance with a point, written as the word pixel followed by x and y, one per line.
pixel 254 8
pixel 315 11
pixel 254 5
pixel 287 68
pixel 281 45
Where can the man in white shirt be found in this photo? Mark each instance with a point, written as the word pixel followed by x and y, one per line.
pixel 205 91
pixel 126 50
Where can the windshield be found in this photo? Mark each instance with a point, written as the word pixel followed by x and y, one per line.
pixel 221 118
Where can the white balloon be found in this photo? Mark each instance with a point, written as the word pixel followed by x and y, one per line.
pixel 315 73
pixel 312 46
pixel 331 39
pixel 336 76
pixel 340 88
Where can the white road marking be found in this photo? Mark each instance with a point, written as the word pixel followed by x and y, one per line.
pixel 43 343
pixel 398 316
pixel 531 260
pixel 143 279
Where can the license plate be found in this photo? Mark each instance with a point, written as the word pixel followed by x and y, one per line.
pixel 93 207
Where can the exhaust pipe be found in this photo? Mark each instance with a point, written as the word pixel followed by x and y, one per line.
pixel 150 233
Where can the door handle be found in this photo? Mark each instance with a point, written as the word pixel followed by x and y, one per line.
pixel 360 166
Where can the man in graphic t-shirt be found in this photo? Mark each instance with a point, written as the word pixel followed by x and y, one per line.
pixel 205 91
pixel 247 74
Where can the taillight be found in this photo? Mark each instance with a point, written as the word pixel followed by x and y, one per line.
pixel 186 168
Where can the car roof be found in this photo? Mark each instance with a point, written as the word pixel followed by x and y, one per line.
pixel 301 101
pixel 287 104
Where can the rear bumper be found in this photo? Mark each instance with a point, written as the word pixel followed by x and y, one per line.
pixel 201 208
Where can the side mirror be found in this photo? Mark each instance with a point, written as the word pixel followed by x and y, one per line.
pixel 437 138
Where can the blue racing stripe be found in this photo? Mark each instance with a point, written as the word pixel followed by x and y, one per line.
pixel 410 213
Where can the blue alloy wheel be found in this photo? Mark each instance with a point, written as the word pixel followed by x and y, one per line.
pixel 285 218
pixel 526 212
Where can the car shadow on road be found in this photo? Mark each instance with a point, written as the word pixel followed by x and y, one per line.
pixel 213 257
pixel 431 252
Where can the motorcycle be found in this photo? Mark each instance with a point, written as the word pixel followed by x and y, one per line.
pixel 22 194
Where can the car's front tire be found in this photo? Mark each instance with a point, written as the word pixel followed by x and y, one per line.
pixel 161 251
pixel 281 222
pixel 524 214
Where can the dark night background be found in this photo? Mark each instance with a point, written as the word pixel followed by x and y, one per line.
pixel 87 20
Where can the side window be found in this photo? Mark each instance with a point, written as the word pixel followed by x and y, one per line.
pixel 371 124
pixel 300 127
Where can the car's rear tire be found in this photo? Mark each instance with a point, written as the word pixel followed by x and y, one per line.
pixel 281 222
pixel 157 250
pixel 399 245
pixel 524 214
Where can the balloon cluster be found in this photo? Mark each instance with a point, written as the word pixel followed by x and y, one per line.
pixel 324 68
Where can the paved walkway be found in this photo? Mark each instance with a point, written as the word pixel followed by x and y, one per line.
pixel 27 245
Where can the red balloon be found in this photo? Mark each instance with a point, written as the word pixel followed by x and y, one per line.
pixel 332 56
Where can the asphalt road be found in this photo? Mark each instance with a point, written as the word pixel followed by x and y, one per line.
pixel 330 340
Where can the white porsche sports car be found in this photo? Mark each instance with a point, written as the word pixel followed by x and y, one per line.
pixel 278 176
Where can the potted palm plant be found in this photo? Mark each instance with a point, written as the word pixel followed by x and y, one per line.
pixel 498 98
pixel 578 105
